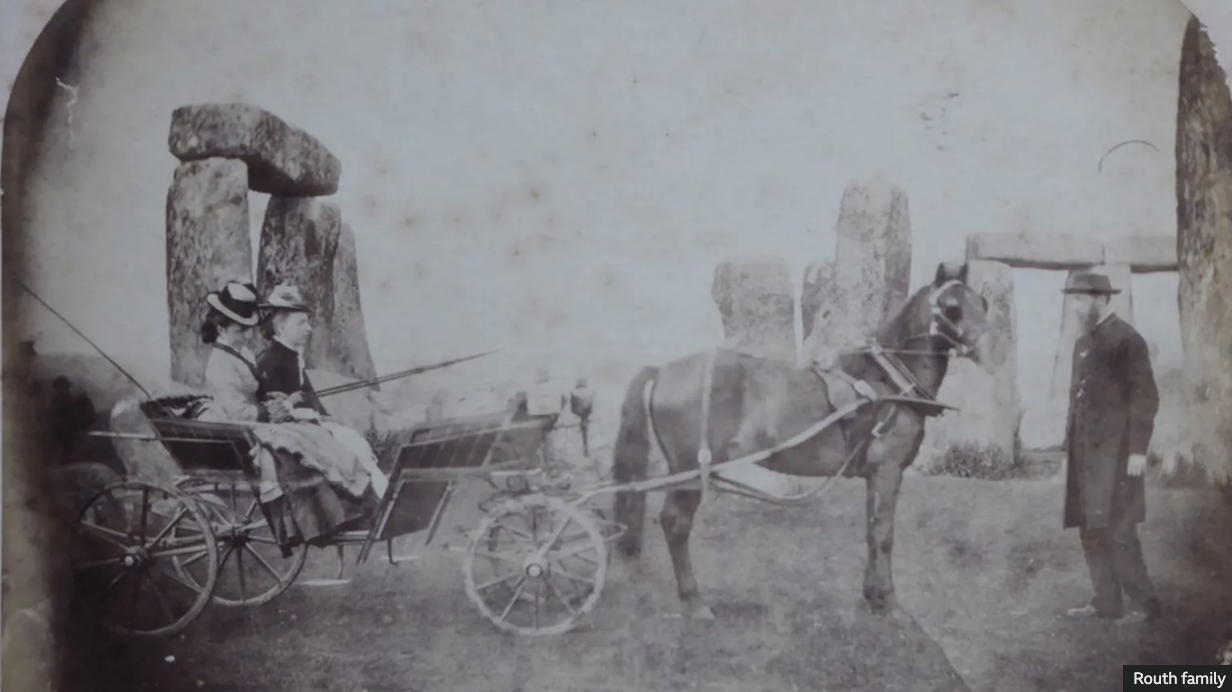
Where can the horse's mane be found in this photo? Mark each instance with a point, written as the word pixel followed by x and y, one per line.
pixel 896 330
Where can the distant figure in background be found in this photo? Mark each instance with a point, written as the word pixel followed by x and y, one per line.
pixel 71 416
pixel 231 370
pixel 1112 405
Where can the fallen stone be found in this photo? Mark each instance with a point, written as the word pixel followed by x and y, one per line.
pixel 989 415
pixel 281 159
pixel 1204 250
pixel 299 242
pixel 207 245
pixel 348 348
pixel 1036 251
pixel 143 456
pixel 1071 330
pixel 756 302
pixel 1143 254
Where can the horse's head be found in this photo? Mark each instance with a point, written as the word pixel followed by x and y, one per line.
pixel 956 316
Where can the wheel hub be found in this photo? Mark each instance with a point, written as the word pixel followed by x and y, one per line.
pixel 135 557
pixel 534 568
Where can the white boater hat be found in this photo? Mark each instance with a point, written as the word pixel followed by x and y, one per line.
pixel 236 300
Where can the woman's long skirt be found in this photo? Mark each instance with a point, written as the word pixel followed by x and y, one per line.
pixel 306 508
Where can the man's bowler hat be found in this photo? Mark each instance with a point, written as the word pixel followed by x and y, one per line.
pixel 1089 283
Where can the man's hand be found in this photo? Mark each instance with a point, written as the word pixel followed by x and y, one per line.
pixel 1137 464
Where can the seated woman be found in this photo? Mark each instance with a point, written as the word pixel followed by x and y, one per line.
pixel 230 371
pixel 336 453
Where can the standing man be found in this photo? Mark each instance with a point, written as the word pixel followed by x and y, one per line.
pixel 1112 404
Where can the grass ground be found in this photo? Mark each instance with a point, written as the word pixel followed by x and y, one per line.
pixel 983 567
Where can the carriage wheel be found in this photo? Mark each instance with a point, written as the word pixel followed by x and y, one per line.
pixel 125 545
pixel 536 566
pixel 251 567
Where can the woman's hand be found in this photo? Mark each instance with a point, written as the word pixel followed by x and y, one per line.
pixel 277 408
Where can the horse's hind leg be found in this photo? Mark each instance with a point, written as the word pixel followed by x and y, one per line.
pixel 677 520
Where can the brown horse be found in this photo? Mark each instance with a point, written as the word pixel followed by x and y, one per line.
pixel 741 404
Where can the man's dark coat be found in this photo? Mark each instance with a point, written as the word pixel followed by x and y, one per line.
pixel 278 371
pixel 1113 400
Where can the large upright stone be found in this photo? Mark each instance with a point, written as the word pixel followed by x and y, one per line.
pixel 207 245
pixel 1063 362
pixel 872 264
pixel 988 402
pixel 348 349
pixel 755 300
pixel 282 160
pixel 1204 249
pixel 299 242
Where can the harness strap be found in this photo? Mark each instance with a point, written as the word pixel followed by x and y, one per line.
pixel 704 457
pixel 227 349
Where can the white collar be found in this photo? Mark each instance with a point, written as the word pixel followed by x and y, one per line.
pixel 1105 318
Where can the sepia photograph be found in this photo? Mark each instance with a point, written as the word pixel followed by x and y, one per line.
pixel 566 347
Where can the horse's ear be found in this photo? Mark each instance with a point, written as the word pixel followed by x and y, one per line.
pixel 950 271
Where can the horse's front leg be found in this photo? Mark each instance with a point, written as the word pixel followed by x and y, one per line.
pixel 676 518
pixel 882 484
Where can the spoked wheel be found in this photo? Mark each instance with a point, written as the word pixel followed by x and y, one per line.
pixel 251 567
pixel 536 566
pixel 125 544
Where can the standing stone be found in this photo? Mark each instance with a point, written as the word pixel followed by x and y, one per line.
pixel 348 349
pixel 757 304
pixel 988 402
pixel 207 245
pixel 872 265
pixel 282 160
pixel 1063 362
pixel 299 242
pixel 1204 249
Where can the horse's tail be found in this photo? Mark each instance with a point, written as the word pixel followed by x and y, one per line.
pixel 631 458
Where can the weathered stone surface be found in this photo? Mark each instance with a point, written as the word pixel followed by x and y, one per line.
pixel 1071 330
pixel 1036 251
pixel 299 241
pixel 817 310
pixel 1204 249
pixel 989 405
pixel 348 348
pixel 282 160
pixel 757 304
pixel 207 245
pixel 1143 254
pixel 872 263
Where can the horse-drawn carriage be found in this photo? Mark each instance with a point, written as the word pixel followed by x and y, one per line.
pixel 150 556
pixel 706 413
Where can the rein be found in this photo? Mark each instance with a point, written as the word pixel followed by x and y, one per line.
pixel 886 359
